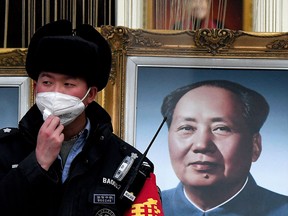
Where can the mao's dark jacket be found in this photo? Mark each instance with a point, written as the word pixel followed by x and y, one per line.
pixel 27 189
pixel 252 200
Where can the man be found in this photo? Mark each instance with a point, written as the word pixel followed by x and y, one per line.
pixel 214 136
pixel 64 159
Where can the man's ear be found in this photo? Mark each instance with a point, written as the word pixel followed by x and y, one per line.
pixel 92 94
pixel 257 147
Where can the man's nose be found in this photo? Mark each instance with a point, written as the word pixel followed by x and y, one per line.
pixel 203 142
pixel 58 88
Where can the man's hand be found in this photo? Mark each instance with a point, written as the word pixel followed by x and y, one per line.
pixel 49 141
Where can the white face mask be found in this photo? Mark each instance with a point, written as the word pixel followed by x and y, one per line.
pixel 66 107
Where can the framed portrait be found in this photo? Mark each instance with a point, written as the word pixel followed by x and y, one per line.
pixel 148 64
pixel 152 79
pixel 15 87
pixel 163 14
pixel 15 100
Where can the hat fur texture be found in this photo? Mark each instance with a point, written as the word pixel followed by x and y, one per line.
pixel 82 52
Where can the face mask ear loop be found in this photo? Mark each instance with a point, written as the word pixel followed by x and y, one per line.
pixel 86 94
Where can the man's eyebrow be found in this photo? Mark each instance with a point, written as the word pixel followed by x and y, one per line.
pixel 72 77
pixel 226 121
pixel 188 119
pixel 218 119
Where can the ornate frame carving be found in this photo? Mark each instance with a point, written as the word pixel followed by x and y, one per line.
pixel 126 42
pixel 12 74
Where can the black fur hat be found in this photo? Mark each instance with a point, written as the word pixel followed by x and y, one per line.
pixel 82 52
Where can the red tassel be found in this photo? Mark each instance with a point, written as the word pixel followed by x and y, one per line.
pixel 148 202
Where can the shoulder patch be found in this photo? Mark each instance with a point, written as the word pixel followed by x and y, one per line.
pixel 4 132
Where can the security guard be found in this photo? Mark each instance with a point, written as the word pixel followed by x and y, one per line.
pixel 64 158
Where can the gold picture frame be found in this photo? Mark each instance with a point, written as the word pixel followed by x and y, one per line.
pixel 139 55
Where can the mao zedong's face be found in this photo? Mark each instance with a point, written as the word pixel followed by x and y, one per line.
pixel 209 142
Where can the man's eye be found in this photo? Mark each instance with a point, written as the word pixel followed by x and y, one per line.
pixel 222 130
pixel 69 84
pixel 47 82
pixel 186 128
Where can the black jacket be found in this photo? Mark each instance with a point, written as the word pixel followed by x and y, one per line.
pixel 90 189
